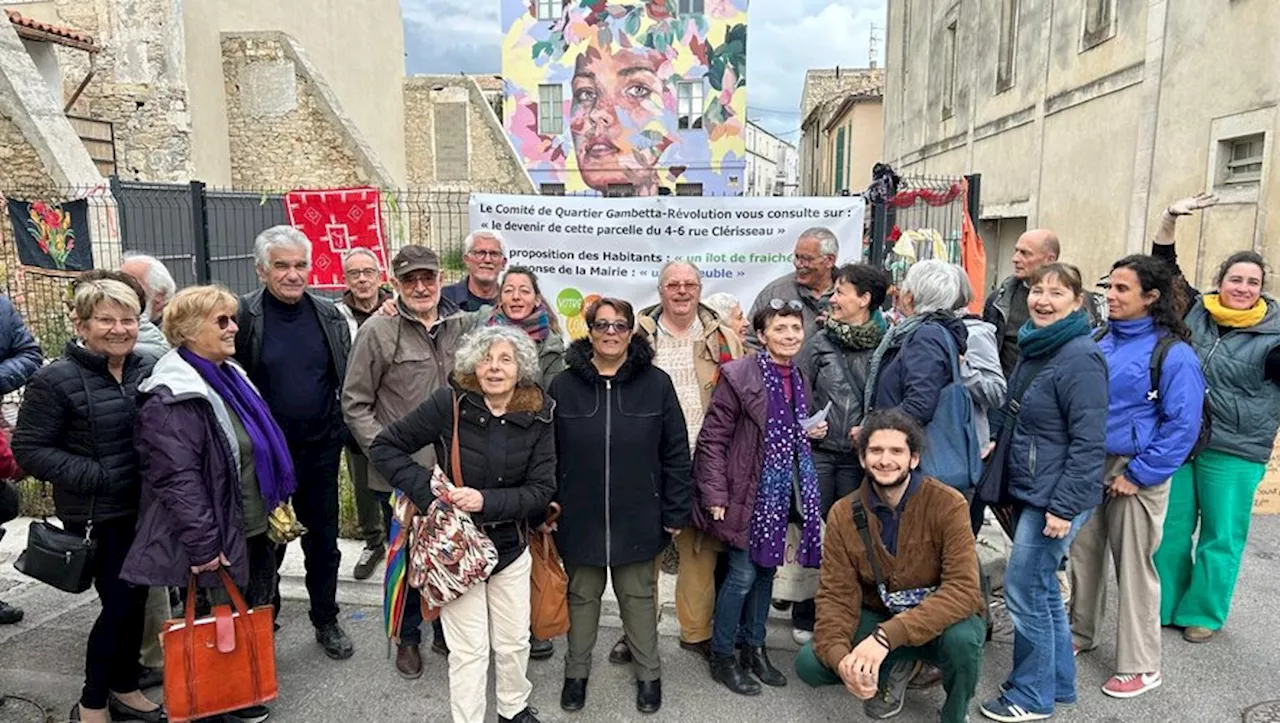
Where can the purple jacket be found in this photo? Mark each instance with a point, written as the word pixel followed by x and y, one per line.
pixel 191 498
pixel 730 453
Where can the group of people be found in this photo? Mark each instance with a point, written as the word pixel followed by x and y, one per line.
pixel 1108 423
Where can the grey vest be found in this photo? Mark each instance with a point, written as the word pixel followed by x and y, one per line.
pixel 1245 406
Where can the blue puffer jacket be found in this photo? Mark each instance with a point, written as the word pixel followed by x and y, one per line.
pixel 20 355
pixel 912 377
pixel 1058 447
pixel 1158 437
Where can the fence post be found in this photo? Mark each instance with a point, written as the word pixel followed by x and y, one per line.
pixel 879 230
pixel 200 233
pixel 974 200
pixel 117 193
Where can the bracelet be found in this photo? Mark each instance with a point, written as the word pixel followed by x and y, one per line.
pixel 880 637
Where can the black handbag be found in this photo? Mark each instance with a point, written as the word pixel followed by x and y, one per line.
pixel 59 558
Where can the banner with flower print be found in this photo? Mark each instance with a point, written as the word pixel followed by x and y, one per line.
pixel 52 236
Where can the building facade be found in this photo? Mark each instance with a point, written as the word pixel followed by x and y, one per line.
pixel 767 160
pixel 1090 116
pixel 841 129
pixel 626 97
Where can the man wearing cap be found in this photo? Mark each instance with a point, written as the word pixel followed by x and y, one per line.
pixel 397 362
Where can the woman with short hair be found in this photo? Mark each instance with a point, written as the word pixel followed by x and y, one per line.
pixel 508 466
pixel 75 430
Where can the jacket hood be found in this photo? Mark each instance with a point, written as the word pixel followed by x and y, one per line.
pixel 175 380
pixel 639 358
pixel 956 327
pixel 528 400
pixel 976 322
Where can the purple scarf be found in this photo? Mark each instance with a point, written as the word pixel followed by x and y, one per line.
pixel 786 451
pixel 271 459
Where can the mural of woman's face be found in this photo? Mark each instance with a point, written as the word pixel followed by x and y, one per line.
pixel 619 118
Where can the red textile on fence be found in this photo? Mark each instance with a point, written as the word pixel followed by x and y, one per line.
pixel 337 220
pixel 905 199
pixel 973 256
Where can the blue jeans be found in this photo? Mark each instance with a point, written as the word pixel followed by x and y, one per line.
pixel 1044 669
pixel 742 605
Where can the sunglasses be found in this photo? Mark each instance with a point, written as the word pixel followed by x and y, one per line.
pixel 778 304
pixel 617 327
pixel 225 320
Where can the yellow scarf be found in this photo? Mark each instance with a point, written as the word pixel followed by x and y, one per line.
pixel 1234 318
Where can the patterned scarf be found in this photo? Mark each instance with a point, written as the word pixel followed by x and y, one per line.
pixel 786 451
pixel 537 324
pixel 1234 318
pixel 860 337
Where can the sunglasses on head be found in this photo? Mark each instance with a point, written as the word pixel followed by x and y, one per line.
pixel 777 304
pixel 225 320
pixel 617 327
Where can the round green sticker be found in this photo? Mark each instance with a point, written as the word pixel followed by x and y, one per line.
pixel 569 302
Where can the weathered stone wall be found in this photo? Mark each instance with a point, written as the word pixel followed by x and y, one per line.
pixel 21 169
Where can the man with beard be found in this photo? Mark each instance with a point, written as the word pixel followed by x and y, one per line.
pixel 918 531
pixel 812 282
pixel 485 255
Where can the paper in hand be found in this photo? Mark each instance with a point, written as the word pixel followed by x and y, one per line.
pixel 818 418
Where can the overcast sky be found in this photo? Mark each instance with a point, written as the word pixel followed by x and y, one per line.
pixel 785 37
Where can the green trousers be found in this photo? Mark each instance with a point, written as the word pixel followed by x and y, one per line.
pixel 634 586
pixel 1216 490
pixel 957 652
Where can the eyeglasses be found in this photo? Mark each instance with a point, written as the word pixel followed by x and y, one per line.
pixel 616 327
pixel 483 254
pixel 110 323
pixel 225 320
pixel 804 260
pixel 363 273
pixel 777 304
pixel 681 285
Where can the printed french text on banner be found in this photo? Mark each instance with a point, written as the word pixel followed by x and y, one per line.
pixel 583 248
pixel 337 221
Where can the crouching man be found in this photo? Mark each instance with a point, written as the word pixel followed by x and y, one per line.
pixel 915 598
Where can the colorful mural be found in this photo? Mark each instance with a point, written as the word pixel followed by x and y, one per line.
pixel 638 95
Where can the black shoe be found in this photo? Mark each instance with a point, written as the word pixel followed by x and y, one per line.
pixel 74 715
pixel 524 716
pixel 10 615
pixel 540 649
pixel 703 649
pixel 368 562
pixel 150 678
pixel 757 661
pixel 256 714
pixel 119 711
pixel 335 642
pixel 439 646
pixel 621 653
pixel 648 695
pixel 574 694
pixel 725 669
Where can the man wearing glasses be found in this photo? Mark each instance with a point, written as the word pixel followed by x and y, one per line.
pixel 485 255
pixel 812 282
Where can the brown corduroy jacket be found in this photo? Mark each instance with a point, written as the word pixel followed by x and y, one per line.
pixel 935 547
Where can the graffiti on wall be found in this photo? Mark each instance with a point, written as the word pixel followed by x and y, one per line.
pixel 641 95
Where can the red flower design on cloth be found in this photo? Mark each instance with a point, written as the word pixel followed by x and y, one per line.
pixel 51 227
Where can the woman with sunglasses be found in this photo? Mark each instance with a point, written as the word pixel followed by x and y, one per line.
pixel 215 466
pixel 623 458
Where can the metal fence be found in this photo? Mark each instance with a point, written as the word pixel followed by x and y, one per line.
pixel 924 220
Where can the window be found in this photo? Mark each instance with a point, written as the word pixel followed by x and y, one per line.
pixel 1242 159
pixel 1008 49
pixel 550 110
pixel 690 7
pixel 949 72
pixel 689 104
pixel 688 189
pixel 552 189
pixel 550 9
pixel 1099 23
pixel 620 190
pixel 839 160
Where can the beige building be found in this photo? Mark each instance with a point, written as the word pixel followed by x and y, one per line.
pixel 1090 116
pixel 842 129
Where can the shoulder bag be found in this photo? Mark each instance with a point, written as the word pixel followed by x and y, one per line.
pixel 992 488
pixel 898 601
pixel 548 584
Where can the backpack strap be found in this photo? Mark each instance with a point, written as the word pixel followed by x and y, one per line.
pixel 860 521
pixel 1163 344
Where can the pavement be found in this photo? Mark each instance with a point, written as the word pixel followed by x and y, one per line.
pixel 41 662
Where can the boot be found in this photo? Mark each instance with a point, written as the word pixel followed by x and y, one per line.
pixel 725 669
pixel 756 659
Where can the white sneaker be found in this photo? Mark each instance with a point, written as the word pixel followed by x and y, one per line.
pixel 801 636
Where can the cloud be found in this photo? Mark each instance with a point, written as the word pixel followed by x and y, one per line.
pixel 785 38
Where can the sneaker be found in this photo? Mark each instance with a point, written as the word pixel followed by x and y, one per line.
pixel 892 695
pixel 1197 634
pixel 801 636
pixel 528 715
pixel 255 714
pixel 540 649
pixel 10 615
pixel 1005 712
pixel 335 642
pixel 1131 685
pixel 368 562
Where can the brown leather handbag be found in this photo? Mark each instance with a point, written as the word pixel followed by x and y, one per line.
pixel 548 584
pixel 221 663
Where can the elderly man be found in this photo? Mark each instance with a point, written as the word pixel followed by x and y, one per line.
pixel 397 362
pixel 294 346
pixel 363 297
pixel 1006 308
pixel 811 284
pixel 159 287
pixel 485 255
pixel 690 342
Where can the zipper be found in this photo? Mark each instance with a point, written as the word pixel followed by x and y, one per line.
pixel 608 439
pixel 1031 461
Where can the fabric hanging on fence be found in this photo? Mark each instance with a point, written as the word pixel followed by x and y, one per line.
pixel 336 221
pixel 52 236
pixel 906 199
pixel 974 256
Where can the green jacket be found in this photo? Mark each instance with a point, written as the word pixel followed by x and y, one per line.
pixel 1245 406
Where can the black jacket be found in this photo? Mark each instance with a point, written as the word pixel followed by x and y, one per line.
pixel 839 376
pixel 623 459
pixel 75 430
pixel 511 459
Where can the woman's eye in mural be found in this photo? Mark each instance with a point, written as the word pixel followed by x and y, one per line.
pixel 638 91
pixel 584 96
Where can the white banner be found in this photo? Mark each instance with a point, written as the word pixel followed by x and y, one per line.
pixel 584 247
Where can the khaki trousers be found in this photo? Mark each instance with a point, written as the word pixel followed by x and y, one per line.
pixel 633 585
pixel 1129 528
pixel 157 613
pixel 493 615
pixel 695 584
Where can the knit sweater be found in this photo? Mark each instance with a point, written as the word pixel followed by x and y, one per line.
pixel 935 547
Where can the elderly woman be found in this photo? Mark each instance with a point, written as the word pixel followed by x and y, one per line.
pixel 522 306
pixel 755 472
pixel 624 487
pixel 75 430
pixel 508 471
pixel 729 309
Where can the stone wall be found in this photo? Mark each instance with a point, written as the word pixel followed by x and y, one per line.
pixel 21 169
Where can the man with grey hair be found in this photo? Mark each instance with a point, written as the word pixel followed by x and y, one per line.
pixel 398 361
pixel 294 346
pixel 811 283
pixel 485 256
pixel 159 286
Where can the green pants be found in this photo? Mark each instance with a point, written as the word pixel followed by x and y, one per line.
pixel 1215 490
pixel 634 587
pixel 957 653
